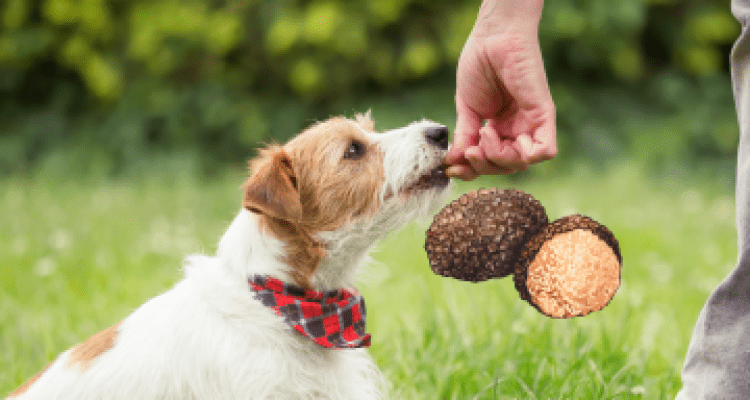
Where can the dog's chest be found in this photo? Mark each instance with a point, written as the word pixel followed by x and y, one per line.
pixel 261 353
pixel 295 367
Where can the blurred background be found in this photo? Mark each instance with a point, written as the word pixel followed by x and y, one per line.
pixel 107 86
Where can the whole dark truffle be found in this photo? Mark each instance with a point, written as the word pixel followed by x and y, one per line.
pixel 570 268
pixel 478 236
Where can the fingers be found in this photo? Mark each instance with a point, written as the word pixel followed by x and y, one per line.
pixel 509 146
pixel 477 164
pixel 483 166
pixel 466 134
pixel 461 171
pixel 500 150
pixel 498 154
pixel 532 151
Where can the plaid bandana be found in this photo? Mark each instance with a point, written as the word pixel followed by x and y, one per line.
pixel 332 319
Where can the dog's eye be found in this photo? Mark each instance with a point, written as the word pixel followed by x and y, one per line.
pixel 356 150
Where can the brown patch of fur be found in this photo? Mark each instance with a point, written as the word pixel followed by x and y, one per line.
pixel 85 353
pixel 26 385
pixel 331 190
pixel 303 253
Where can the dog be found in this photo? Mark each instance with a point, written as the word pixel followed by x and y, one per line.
pixel 273 314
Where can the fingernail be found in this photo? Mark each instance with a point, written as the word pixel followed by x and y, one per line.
pixel 453 171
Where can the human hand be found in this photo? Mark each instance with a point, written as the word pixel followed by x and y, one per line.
pixel 501 79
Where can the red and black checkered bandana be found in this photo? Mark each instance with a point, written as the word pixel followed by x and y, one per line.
pixel 332 319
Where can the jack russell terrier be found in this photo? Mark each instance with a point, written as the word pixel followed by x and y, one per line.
pixel 273 314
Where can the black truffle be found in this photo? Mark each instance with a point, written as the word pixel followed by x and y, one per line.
pixel 479 235
pixel 570 268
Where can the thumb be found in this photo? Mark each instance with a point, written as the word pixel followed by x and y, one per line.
pixel 466 134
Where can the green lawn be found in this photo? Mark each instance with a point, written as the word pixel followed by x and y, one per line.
pixel 79 254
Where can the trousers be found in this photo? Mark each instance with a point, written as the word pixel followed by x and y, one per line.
pixel 717 363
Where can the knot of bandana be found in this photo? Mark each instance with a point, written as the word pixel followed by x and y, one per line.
pixel 332 319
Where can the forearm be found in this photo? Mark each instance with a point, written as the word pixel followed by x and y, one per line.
pixel 497 15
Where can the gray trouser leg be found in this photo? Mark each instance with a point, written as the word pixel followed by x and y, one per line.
pixel 717 364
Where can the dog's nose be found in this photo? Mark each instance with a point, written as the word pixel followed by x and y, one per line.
pixel 437 136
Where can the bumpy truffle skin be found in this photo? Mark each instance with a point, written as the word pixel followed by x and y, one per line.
pixel 559 289
pixel 479 235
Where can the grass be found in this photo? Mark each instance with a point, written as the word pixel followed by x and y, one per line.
pixel 80 254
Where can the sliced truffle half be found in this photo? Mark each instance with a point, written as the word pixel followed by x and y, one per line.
pixel 478 236
pixel 570 268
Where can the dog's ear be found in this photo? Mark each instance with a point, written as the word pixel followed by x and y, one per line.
pixel 365 120
pixel 271 188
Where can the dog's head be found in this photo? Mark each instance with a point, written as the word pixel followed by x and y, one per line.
pixel 332 190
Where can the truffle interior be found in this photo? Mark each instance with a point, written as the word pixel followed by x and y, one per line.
pixel 573 273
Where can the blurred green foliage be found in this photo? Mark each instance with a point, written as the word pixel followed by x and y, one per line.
pixel 123 78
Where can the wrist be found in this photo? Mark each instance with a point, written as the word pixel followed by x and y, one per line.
pixel 497 16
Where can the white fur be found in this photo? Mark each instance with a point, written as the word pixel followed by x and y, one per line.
pixel 208 338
